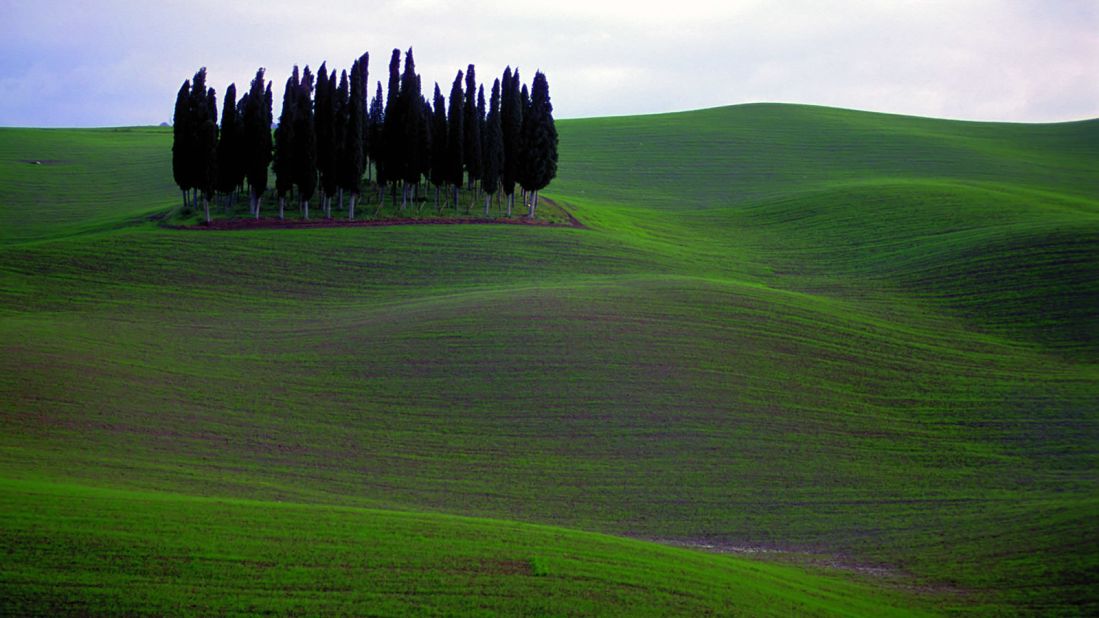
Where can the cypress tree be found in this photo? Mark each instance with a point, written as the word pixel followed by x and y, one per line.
pixel 268 139
pixel 524 164
pixel 228 149
pixel 197 111
pixel 256 141
pixel 439 173
pixel 363 123
pixel 340 165
pixel 323 121
pixel 479 143
pixel 410 108
pixel 393 124
pixel 182 140
pixel 242 146
pixel 376 141
pixel 471 144
pixel 539 140
pixel 493 149
pixel 427 138
pixel 354 149
pixel 305 146
pixel 455 136
pixel 207 150
pixel 285 141
pixel 511 122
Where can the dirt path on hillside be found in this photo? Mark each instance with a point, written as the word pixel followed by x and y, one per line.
pixel 273 223
pixel 891 575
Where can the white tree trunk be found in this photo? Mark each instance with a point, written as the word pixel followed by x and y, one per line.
pixel 351 207
pixel 206 208
pixel 488 200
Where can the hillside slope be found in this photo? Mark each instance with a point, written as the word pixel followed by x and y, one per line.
pixel 846 338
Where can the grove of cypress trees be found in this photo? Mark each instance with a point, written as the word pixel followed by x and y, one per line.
pixel 471 142
pixel 182 140
pixel 511 122
pixel 455 136
pixel 493 149
pixel 328 135
pixel 539 140
pixel 256 140
pixel 439 144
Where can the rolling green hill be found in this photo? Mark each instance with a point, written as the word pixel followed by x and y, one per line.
pixel 858 345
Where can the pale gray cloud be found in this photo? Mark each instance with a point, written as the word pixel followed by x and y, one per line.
pixel 120 62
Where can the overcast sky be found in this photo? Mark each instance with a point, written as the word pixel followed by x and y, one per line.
pixel 115 62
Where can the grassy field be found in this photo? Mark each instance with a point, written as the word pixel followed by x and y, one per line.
pixel 858 349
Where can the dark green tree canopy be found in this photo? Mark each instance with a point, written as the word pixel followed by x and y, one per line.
pixel 182 138
pixel 376 142
pixel 439 142
pixel 324 129
pixel 340 167
pixel 285 139
pixel 524 164
pixel 305 139
pixel 393 123
pixel 427 137
pixel 455 133
pixel 204 116
pixel 493 149
pixel 361 70
pixel 410 109
pixel 256 139
pixel 471 143
pixel 354 149
pixel 230 169
pixel 540 136
pixel 511 122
